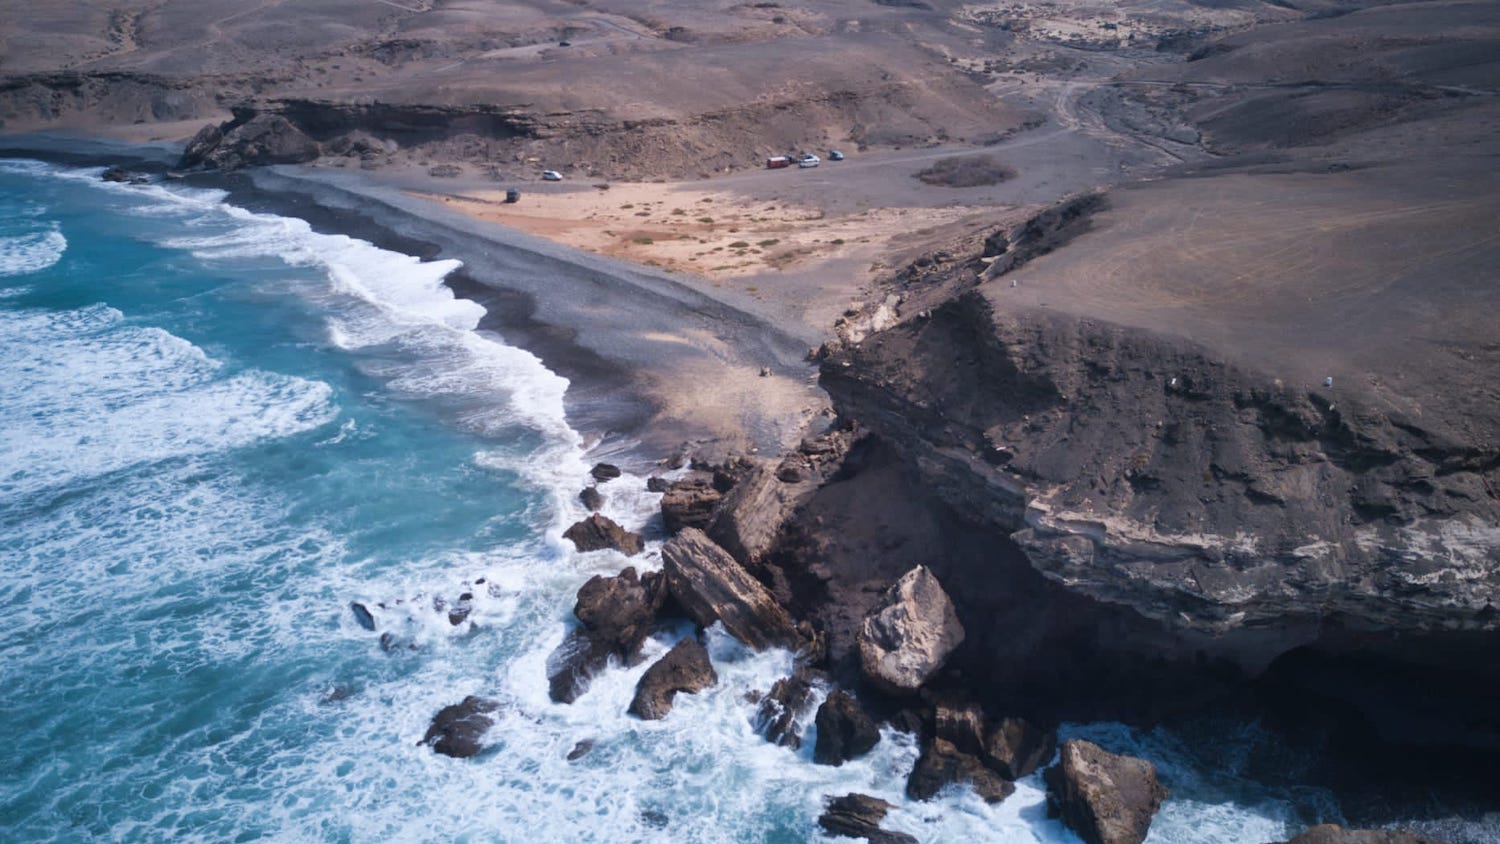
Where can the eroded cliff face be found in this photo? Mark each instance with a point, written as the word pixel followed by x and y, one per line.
pixel 1140 470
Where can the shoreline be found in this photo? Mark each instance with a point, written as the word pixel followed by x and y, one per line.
pixel 655 367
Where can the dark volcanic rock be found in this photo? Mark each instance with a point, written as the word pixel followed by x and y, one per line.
pixel 617 614
pixel 604 472
pixel 1330 834
pixel 941 764
pixel 657 484
pixel 962 724
pixel 121 175
pixel 711 586
pixel 845 730
pixel 779 717
pixel 1104 797
pixel 685 668
pixel 256 140
pixel 363 615
pixel 456 729
pixel 580 749
pixel 598 532
pixel 859 816
pixel 1014 747
pixel 909 635
pixel 592 498
pixel 749 520
pixel 689 504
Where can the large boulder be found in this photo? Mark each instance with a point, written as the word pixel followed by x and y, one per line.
pixel 1331 834
pixel 255 140
pixel 689 504
pixel 685 668
pixel 845 730
pixel 1104 797
pixel 909 634
pixel 599 532
pixel 711 586
pixel 617 614
pixel 780 716
pixel 942 764
pixel 859 816
pixel 1014 747
pixel 456 730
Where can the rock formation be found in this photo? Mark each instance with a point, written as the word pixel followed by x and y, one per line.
pixel 845 730
pixel 685 668
pixel 779 717
pixel 1104 797
pixel 689 503
pixel 456 730
pixel 250 139
pixel 616 615
pixel 1015 748
pixel 604 472
pixel 910 634
pixel 859 816
pixel 599 532
pixel 941 764
pixel 712 587
pixel 592 498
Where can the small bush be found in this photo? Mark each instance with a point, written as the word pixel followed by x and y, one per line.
pixel 966 171
pixel 764 243
pixel 642 241
pixel 740 244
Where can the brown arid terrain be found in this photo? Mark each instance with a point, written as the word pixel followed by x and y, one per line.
pixel 1195 401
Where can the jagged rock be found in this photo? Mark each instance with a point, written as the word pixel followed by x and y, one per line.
pixel 657 484
pixel 592 498
pixel 1014 747
pixel 748 521
pixel 1104 797
pixel 1332 834
pixel 598 532
pixel 859 816
pixel 845 730
pixel 580 749
pixel 459 612
pixel 779 717
pixel 711 586
pixel 456 729
pixel 685 668
pixel 961 724
pixel 909 635
pixel 942 764
pixel 256 140
pixel 604 472
pixel 121 175
pixel 689 504
pixel 201 145
pixel 363 615
pixel 617 614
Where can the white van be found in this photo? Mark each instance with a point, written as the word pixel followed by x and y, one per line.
pixel 807 159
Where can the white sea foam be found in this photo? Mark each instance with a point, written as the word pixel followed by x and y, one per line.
pixel 29 253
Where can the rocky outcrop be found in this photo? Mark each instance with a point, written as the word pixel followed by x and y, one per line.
pixel 845 730
pixel 591 498
pixel 910 634
pixel 941 764
pixel 1014 747
pixel 1104 797
pixel 456 730
pixel 859 816
pixel 251 139
pixel 712 587
pixel 604 472
pixel 616 615
pixel 1331 834
pixel 685 668
pixel 599 532
pixel 689 503
pixel 780 714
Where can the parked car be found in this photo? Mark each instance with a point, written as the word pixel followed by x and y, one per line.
pixel 835 155
pixel 513 195
pixel 551 176
pixel 807 159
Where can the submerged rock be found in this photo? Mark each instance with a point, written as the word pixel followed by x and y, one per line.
pixel 122 176
pixel 942 764
pixel 909 635
pixel 656 483
pixel 685 668
pixel 363 615
pixel 456 730
pixel 580 749
pixel 573 664
pixel 599 532
pixel 711 586
pixel 592 498
pixel 859 816
pixel 845 730
pixel 1104 797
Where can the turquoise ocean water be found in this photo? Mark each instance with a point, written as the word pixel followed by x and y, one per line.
pixel 219 428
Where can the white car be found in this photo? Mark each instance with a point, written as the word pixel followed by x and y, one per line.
pixel 807 159
pixel 551 176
